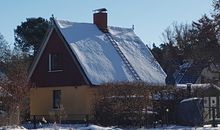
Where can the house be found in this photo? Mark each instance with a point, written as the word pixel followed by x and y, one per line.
pixel 211 100
pixel 210 74
pixel 76 58
pixel 198 79
pixel 189 72
pixel 197 72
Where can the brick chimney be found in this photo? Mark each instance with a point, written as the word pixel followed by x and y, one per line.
pixel 100 19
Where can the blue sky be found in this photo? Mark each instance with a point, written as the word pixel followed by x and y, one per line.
pixel 150 17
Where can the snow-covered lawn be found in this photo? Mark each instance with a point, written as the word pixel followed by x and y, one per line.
pixel 176 127
pixel 62 127
pixel 95 127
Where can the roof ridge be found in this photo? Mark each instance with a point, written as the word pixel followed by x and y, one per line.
pixel 117 27
pixel 40 51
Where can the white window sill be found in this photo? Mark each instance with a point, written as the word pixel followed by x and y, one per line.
pixel 54 71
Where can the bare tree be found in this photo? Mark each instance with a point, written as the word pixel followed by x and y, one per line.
pixel 17 87
pixel 4 50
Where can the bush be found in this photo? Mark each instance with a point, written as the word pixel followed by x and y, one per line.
pixel 122 104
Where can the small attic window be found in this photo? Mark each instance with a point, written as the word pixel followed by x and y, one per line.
pixel 55 62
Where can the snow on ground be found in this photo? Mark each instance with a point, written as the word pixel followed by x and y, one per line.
pixel 62 127
pixel 14 127
pixel 176 127
pixel 95 127
pixel 77 127
pixel 98 56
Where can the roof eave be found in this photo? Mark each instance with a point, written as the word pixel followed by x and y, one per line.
pixel 40 52
pixel 86 79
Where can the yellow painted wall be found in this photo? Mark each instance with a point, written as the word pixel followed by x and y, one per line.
pixel 75 100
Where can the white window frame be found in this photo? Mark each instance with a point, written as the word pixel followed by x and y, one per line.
pixel 49 62
pixel 60 96
pixel 49 65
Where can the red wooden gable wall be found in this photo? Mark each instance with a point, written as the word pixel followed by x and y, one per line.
pixel 70 74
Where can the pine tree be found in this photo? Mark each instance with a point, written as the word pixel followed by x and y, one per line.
pixel 30 34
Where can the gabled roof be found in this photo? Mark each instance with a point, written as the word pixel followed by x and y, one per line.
pixel 189 72
pixel 100 59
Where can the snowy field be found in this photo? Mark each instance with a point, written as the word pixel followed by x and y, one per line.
pixel 95 127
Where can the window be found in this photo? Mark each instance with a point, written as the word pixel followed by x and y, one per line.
pixel 55 62
pixel 213 101
pixel 56 99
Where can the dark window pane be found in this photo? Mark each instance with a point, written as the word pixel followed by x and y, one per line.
pixel 56 98
pixel 56 61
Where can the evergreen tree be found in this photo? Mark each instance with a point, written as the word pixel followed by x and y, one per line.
pixel 157 52
pixel 216 16
pixel 30 34
pixel 204 40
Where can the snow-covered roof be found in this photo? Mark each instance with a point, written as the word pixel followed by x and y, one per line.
pixel 101 61
pixel 189 72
